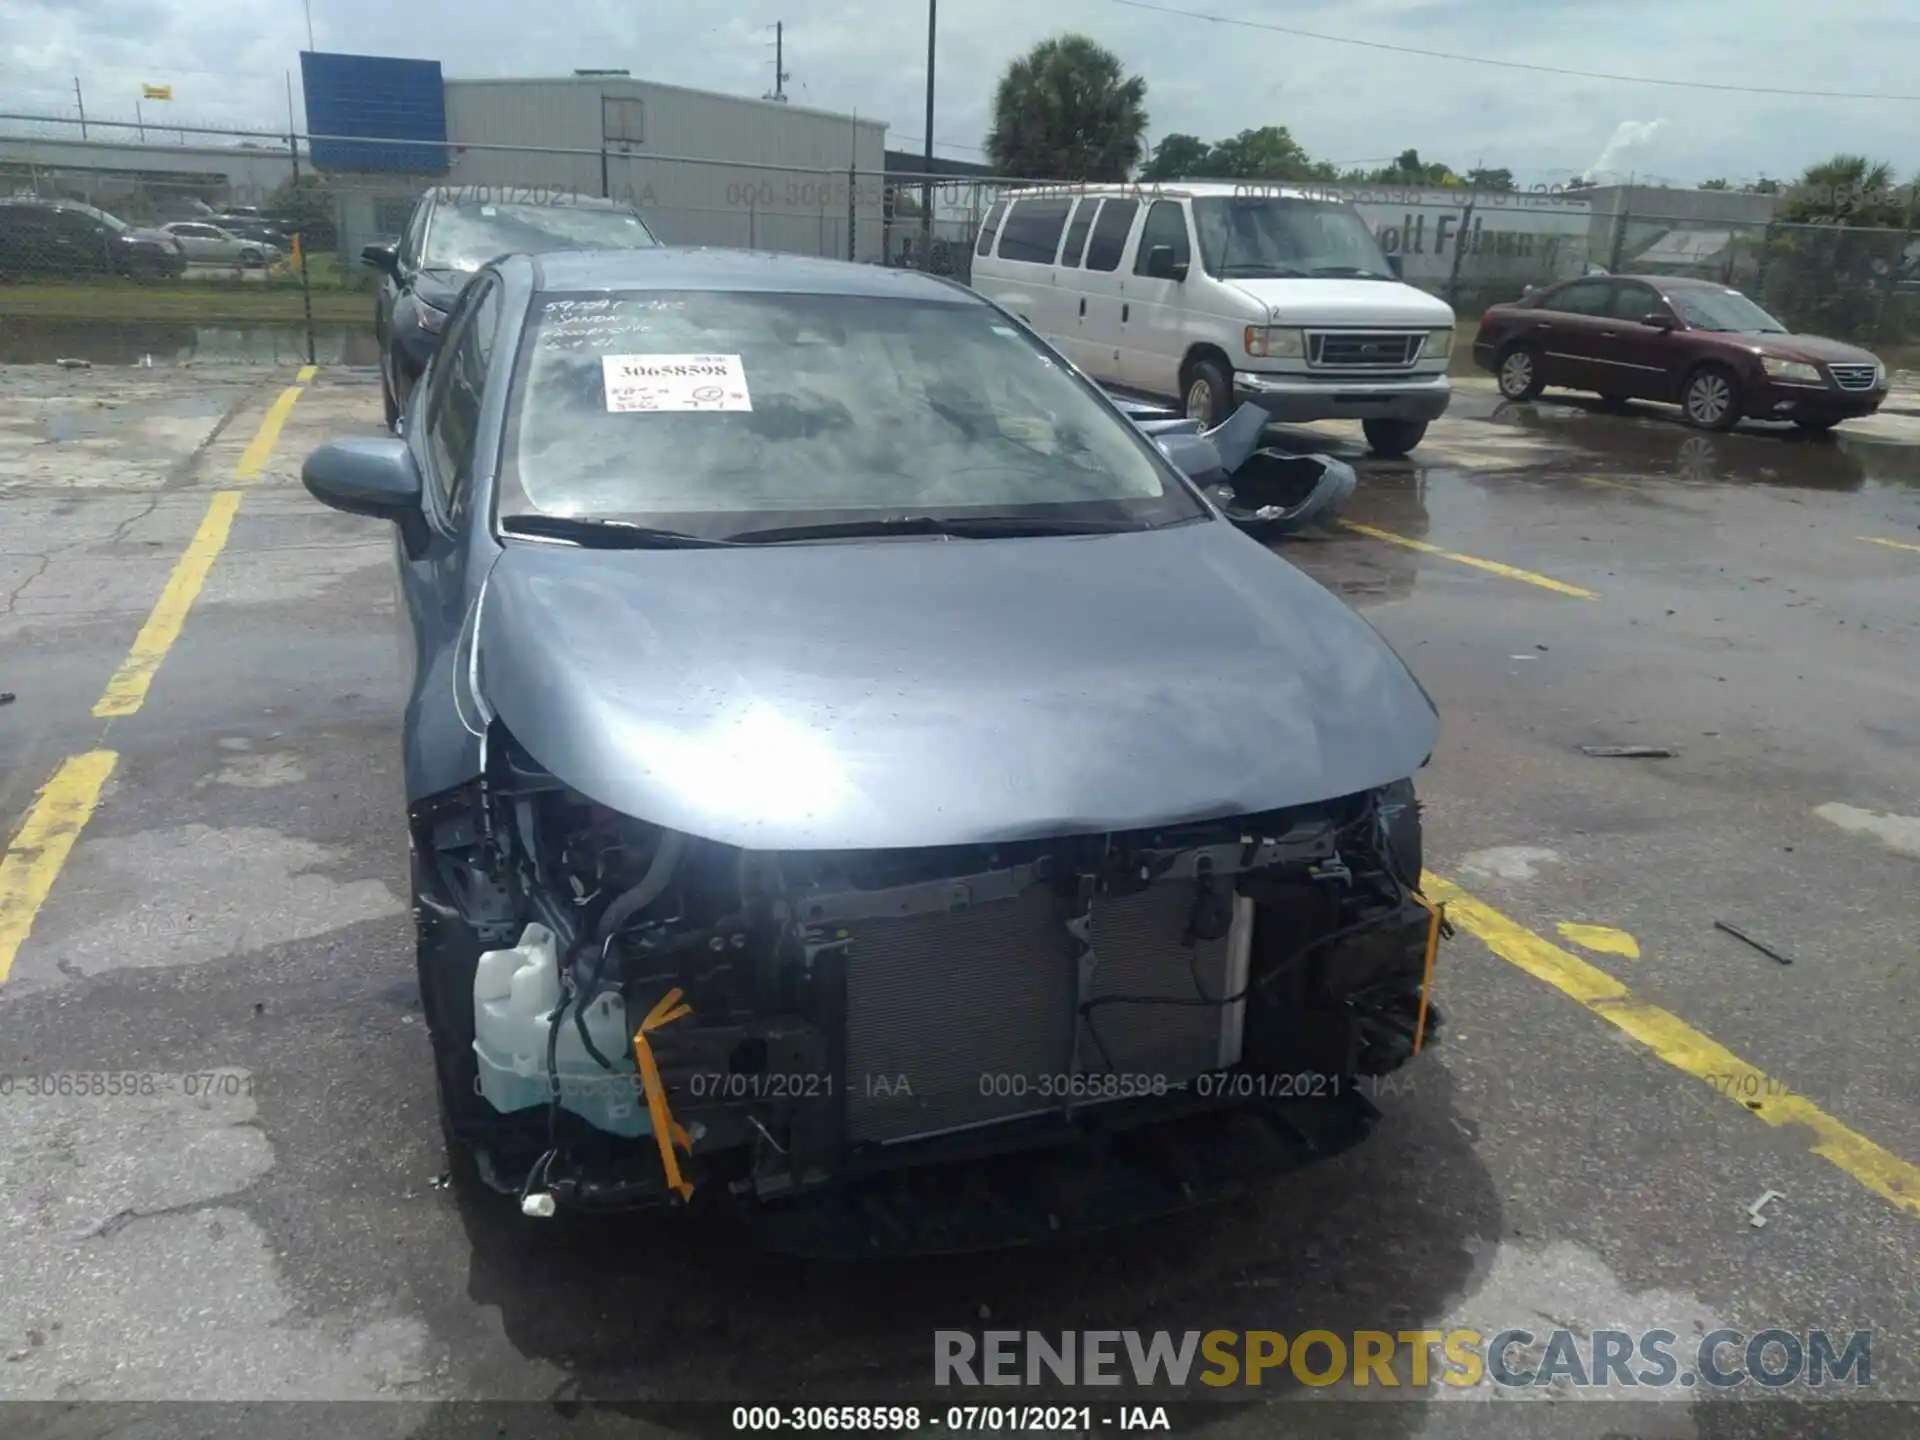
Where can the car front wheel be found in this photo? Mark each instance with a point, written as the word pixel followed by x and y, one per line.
pixel 1711 399
pixel 1207 392
pixel 1393 438
pixel 1518 373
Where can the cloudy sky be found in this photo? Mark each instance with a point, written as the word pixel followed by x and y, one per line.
pixel 226 61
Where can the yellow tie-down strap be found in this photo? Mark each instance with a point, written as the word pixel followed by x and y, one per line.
pixel 1436 918
pixel 666 1130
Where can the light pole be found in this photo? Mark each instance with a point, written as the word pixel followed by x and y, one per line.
pixel 926 184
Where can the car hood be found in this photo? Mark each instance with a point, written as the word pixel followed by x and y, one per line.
pixel 439 288
pixel 1346 302
pixel 910 693
pixel 1810 347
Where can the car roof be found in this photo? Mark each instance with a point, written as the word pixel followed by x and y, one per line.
pixel 487 194
pixel 667 267
pixel 1193 189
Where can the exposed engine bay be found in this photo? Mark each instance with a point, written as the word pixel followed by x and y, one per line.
pixel 638 1015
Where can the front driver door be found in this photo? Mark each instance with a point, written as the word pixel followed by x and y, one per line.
pixel 1639 357
pixel 1572 319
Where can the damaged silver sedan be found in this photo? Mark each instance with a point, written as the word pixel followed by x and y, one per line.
pixel 854 775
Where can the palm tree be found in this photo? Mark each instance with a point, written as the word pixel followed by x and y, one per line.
pixel 1066 110
pixel 1847 190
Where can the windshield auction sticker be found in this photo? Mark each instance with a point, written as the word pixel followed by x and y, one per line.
pixel 658 384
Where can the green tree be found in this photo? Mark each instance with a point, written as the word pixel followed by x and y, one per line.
pixel 1481 179
pixel 1835 258
pixel 1178 156
pixel 1066 110
pixel 1715 185
pixel 1410 169
pixel 306 208
pixel 1269 153
pixel 1847 190
pixel 1764 186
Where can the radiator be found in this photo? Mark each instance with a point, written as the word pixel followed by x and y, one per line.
pixel 961 1019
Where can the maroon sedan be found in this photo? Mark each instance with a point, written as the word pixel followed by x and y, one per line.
pixel 1693 343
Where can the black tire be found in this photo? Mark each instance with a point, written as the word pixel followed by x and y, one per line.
pixel 446 955
pixel 1205 384
pixel 1710 398
pixel 1402 811
pixel 1517 372
pixel 1817 424
pixel 1393 438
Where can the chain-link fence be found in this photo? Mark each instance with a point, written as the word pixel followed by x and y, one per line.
pixel 231 227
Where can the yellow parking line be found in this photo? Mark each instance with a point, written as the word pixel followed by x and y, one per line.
pixel 126 692
pixel 1493 567
pixel 1681 1046
pixel 260 448
pixel 28 869
pixel 1893 544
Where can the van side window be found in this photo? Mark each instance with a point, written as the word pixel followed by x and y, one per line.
pixel 1032 231
pixel 1166 225
pixel 989 228
pixel 1110 231
pixel 1077 231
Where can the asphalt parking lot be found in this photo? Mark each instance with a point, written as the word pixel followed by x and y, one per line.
pixel 205 885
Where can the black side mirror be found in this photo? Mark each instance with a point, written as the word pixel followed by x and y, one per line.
pixel 1399 269
pixel 370 475
pixel 384 258
pixel 1162 266
pixel 1655 320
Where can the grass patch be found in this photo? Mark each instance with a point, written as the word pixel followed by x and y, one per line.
pixel 274 302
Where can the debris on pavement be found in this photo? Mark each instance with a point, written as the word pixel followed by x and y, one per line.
pixel 1753 1211
pixel 1740 934
pixel 6 697
pixel 440 1181
pixel 1627 752
pixel 67 363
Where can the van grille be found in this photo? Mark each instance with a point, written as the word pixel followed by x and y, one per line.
pixel 1852 377
pixel 1364 349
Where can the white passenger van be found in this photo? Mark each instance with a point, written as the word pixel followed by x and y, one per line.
pixel 1291 303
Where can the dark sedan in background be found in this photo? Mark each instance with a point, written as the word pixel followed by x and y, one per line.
pixel 66 239
pixel 1693 343
pixel 841 749
pixel 451 233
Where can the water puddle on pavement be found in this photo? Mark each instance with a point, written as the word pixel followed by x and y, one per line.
pixel 1648 443
pixel 38 341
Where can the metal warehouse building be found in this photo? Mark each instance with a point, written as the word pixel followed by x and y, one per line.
pixel 705 169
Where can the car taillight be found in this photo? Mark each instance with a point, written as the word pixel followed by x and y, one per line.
pixel 1486 316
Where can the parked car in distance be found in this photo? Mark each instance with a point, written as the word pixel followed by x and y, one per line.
pixel 253 228
pixel 1210 294
pixel 803 657
pixel 63 238
pixel 208 244
pixel 1693 343
pixel 452 232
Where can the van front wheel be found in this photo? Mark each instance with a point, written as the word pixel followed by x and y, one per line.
pixel 1208 392
pixel 1393 437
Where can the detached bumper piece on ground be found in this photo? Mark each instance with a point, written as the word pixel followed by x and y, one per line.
pixel 1265 492
pixel 929 1050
